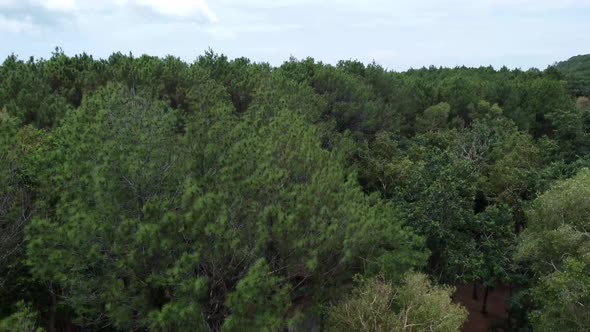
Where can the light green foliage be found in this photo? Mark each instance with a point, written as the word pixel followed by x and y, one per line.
pixel 484 110
pixel 559 223
pixel 428 307
pixel 556 245
pixel 563 298
pixel 583 103
pixel 24 319
pixel 434 118
pixel 415 305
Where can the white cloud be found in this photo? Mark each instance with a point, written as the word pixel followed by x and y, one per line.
pixel 184 9
pixel 397 34
pixel 7 3
pixel 58 5
pixel 221 33
pixel 176 9
pixel 531 4
pixel 13 25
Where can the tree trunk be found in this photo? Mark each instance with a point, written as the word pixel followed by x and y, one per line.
pixel 484 308
pixel 475 291
pixel 52 310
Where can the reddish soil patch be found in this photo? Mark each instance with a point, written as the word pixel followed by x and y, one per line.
pixel 497 314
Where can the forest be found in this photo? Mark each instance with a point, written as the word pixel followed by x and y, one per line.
pixel 143 193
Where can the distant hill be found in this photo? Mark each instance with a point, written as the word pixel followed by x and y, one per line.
pixel 577 72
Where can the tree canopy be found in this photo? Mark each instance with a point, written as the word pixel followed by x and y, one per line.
pixel 148 193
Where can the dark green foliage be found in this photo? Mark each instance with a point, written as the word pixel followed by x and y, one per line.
pixel 17 196
pixel 26 93
pixel 577 72
pixel 259 302
pixel 147 193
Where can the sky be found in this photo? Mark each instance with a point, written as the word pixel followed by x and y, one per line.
pixel 394 33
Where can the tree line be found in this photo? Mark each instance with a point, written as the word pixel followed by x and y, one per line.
pixel 148 193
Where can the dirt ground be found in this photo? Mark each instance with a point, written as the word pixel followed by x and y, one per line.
pixel 497 314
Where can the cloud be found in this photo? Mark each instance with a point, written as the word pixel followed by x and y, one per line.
pixel 532 4
pixel 13 25
pixel 26 13
pixel 221 33
pixel 66 6
pixel 397 34
pixel 182 9
pixel 8 3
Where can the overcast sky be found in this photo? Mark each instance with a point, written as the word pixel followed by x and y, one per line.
pixel 397 34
